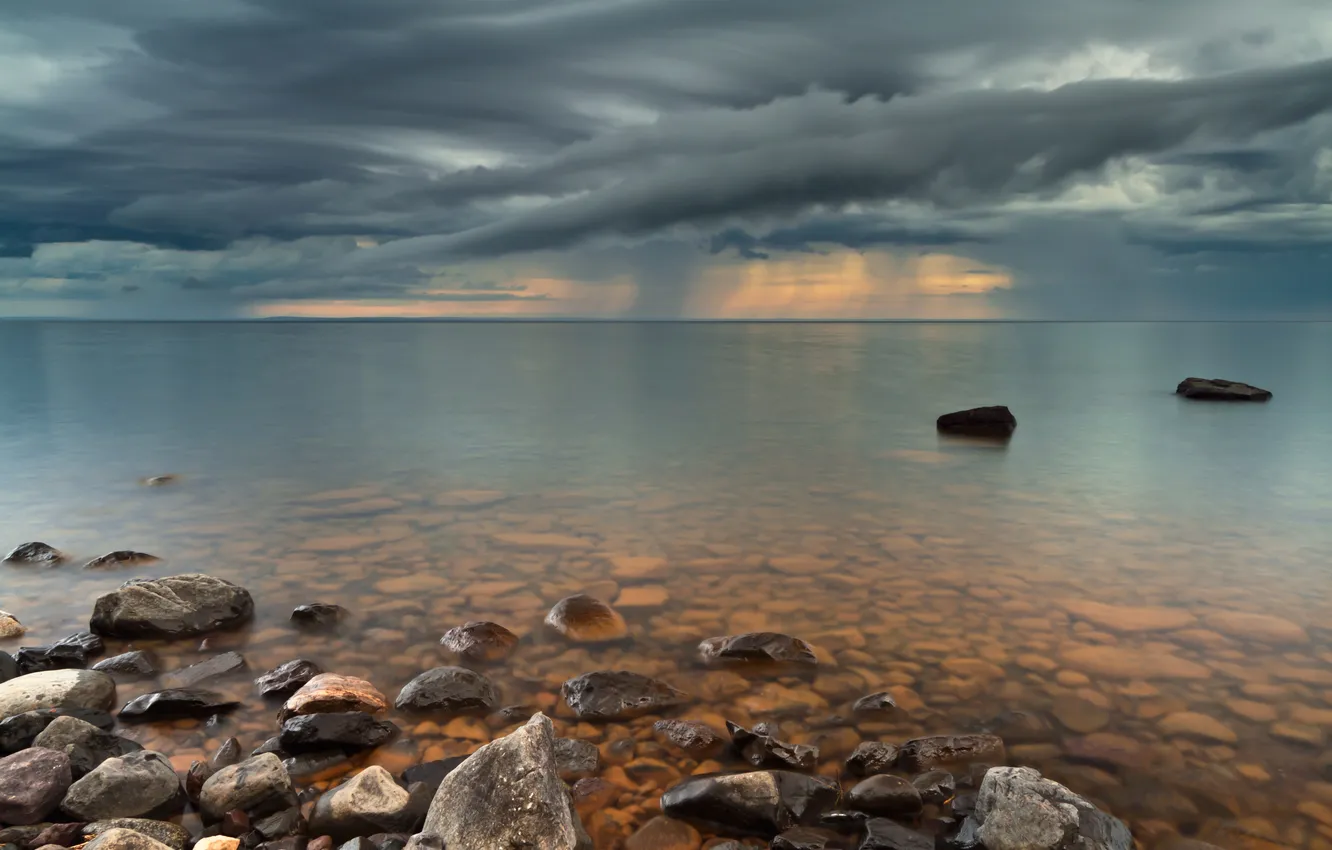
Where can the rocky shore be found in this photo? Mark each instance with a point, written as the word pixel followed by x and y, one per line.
pixel 622 759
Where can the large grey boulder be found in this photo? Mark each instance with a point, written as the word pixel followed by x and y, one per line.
pixel 369 803
pixel 124 839
pixel 57 689
pixel 32 783
pixel 508 794
pixel 258 786
pixel 85 744
pixel 174 606
pixel 138 785
pixel 1018 809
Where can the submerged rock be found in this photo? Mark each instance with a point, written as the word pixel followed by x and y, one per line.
pixel 757 647
pixel 662 833
pixel 878 703
pixel 618 695
pixel 576 759
pixel 431 773
pixel 922 754
pixel 370 802
pixel 1018 809
pixel 135 663
pixel 449 690
pixel 259 787
pixel 318 615
pixel 689 737
pixel 583 619
pixel 86 745
pixel 85 689
pixel 885 796
pixel 175 606
pixel 995 421
pixel 333 692
pixel 38 554
pixel 345 730
pixel 32 784
pixel 288 678
pixel 1217 389
pixel 137 785
pixel 508 794
pixel 175 704
pixel 121 559
pixel 761 748
pixel 480 641
pixel 218 665
pixel 762 803
pixel 935 787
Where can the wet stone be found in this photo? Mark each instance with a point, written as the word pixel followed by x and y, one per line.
pixel 346 730
pixel 227 754
pixel 761 748
pixel 994 421
pixel 1018 809
pixel 879 703
pixel 195 777
pixel 618 695
pixel 936 787
pixel 575 759
pixel 872 757
pixel 448 690
pixel 885 796
pixel 757 648
pixel 924 754
pixel 121 559
pixel 807 838
pixel 137 785
pixel 59 834
pixel 32 784
pixel 431 773
pixel 218 665
pixel 688 737
pixel 1219 389
pixel 34 659
pixel 369 803
pixel 318 615
pixel 175 606
pixel 479 641
pixel 18 732
pixel 883 834
pixel 135 663
pixel 36 554
pixel 175 704
pixel 1079 715
pixel 86 745
pixel 584 619
pixel 764 803
pixel 287 678
pixel 330 692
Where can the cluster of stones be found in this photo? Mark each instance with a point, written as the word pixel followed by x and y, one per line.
pixel 67 778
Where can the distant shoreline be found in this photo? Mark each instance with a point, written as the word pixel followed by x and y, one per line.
pixel 575 320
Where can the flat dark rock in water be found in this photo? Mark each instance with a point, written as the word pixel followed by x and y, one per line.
pixel 38 554
pixel 218 665
pixel 885 796
pixel 995 421
pixel 288 678
pixel 175 704
pixel 480 641
pixel 448 690
pixel 1217 389
pixel 757 648
pixel 761 748
pixel 923 754
pixel 765 803
pixel 618 695
pixel 33 659
pixel 135 663
pixel 175 606
pixel 318 614
pixel 121 559
pixel 348 730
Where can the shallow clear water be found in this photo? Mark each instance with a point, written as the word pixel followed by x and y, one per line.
pixel 791 478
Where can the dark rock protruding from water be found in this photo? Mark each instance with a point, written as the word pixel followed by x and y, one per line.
pixel 135 663
pixel 996 421
pixel 585 619
pixel 35 554
pixel 138 785
pixel 757 648
pixel 761 748
pixel 218 665
pixel 883 834
pixel 1216 389
pixel 923 754
pixel 765 803
pixel 345 730
pixel 32 784
pixel 318 615
pixel 258 787
pixel 480 641
pixel 1018 809
pixel 175 704
pixel 228 753
pixel 172 607
pixel 872 757
pixel 370 802
pixel 121 559
pixel 807 838
pixel 35 659
pixel 8 667
pixel 508 794
pixel 288 678
pixel 935 787
pixel 86 745
pixel 618 695
pixel 431 773
pixel 448 690
pixel 885 796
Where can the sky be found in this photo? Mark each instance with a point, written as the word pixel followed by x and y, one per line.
pixel 702 159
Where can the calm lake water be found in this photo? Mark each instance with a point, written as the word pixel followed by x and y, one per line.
pixel 1094 574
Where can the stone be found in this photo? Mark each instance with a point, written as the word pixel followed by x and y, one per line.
pixel 584 619
pixel 1297 733
pixel 218 842
pixel 258 786
pixel 1121 662
pixel 37 554
pixel 1191 724
pixel 1018 809
pixel 121 559
pixel 618 695
pixel 170 834
pixel 883 834
pixel 333 692
pixel 1218 389
pixel 137 785
pixel 431 773
pixel 287 678
pixel 10 627
pixel 692 738
pixel 508 794
pixel 922 754
pixel 227 754
pixel 135 663
pixel 125 839
pixel 448 690
pixel 198 773
pixel 807 838
pixel 8 667
pixel 318 615
pixel 171 607
pixel 218 665
pixel 1080 715
pixel 370 802
pixel 32 784
pixel 936 787
pixel 994 421
pixel 59 834
pixel 480 642
pixel 86 745
pixel 1265 628
pixel 175 704
pixel 18 732
pixel 34 659
pixel 871 757
pixel 85 689
pixel 344 730
pixel 878 703
pixel 576 759
pixel 885 796
pixel 757 648
pixel 662 833
pixel 764 803
pixel 1128 619
pixel 761 748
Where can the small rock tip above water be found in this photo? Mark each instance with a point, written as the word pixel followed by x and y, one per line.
pixel 1219 389
pixel 995 421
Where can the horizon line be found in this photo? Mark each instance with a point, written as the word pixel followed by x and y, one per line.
pixel 301 320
